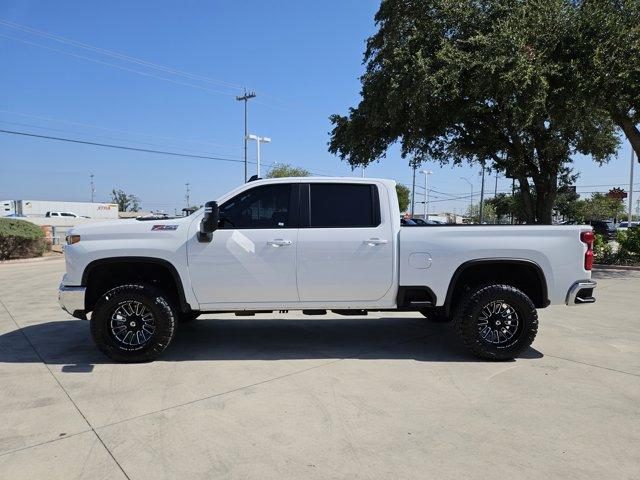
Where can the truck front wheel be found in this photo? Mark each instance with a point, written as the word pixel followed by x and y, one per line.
pixel 133 323
pixel 496 322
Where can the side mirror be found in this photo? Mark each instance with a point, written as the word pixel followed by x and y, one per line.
pixel 209 222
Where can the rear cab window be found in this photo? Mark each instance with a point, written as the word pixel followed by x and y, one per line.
pixel 343 205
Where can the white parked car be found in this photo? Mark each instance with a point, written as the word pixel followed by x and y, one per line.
pixel 318 244
pixel 61 215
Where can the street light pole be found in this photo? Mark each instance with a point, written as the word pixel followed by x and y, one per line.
pixel 245 98
pixel 426 192
pixel 413 191
pixel 93 189
pixel 258 141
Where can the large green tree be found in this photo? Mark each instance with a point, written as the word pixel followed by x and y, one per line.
pixel 609 60
pixel 490 81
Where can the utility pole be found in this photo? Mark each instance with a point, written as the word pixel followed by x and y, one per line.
pixel 631 188
pixel 413 190
pixel 93 189
pixel 187 195
pixel 245 98
pixel 480 212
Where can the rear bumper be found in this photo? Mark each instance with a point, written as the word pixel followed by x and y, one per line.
pixel 581 292
pixel 71 299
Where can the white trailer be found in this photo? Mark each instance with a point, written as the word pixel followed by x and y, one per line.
pixel 7 207
pixel 39 208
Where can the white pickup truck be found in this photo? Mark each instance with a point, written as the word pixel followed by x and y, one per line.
pixel 318 244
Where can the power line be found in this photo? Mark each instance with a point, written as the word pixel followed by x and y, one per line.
pixel 122 147
pixel 135 149
pixel 129 132
pixel 119 67
pixel 118 55
pixel 99 136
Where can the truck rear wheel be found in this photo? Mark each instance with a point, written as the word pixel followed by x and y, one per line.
pixel 133 323
pixel 496 322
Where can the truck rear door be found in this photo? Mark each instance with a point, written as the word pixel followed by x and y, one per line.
pixel 345 243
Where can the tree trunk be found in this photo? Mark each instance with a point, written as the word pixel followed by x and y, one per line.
pixel 544 207
pixel 527 201
pixel 630 130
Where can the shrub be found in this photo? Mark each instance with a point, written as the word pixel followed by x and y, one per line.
pixel 629 240
pixel 602 250
pixel 20 239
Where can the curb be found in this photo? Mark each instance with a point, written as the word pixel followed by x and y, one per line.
pixel 48 258
pixel 601 266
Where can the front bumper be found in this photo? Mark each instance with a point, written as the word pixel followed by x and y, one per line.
pixel 71 299
pixel 581 292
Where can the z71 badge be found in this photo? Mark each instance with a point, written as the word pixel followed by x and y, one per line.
pixel 164 227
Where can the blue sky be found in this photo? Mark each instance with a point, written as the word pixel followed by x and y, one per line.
pixel 302 58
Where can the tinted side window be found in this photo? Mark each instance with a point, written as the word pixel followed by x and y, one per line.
pixel 261 207
pixel 343 205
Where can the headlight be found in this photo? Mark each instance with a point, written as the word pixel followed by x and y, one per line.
pixel 71 239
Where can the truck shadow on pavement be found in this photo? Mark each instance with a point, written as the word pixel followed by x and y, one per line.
pixel 68 342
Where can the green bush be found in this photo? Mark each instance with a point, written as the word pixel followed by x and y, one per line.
pixel 629 240
pixel 602 250
pixel 20 239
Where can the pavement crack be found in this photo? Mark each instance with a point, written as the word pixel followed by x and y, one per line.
pixel 26 337
pixel 262 382
pixel 592 365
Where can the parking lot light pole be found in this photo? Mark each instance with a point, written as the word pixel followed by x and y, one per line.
pixel 426 192
pixel 258 141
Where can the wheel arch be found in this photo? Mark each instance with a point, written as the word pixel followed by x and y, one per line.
pixel 499 270
pixel 97 269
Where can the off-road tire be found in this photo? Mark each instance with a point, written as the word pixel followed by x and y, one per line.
pixel 467 321
pixel 155 301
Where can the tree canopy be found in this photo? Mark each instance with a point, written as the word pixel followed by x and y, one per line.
pixel 608 53
pixel 491 81
pixel 284 170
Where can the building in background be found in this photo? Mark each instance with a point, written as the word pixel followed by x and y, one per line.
pixel 39 208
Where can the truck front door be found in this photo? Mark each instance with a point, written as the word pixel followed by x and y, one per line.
pixel 252 255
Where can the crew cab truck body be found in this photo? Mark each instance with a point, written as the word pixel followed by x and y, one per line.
pixel 318 244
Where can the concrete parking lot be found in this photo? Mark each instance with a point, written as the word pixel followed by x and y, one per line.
pixel 387 396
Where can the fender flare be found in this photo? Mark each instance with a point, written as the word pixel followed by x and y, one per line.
pixel 184 305
pixel 488 261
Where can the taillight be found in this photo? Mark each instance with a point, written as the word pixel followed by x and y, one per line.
pixel 588 238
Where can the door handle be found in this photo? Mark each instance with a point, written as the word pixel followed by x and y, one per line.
pixel 376 241
pixel 279 242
